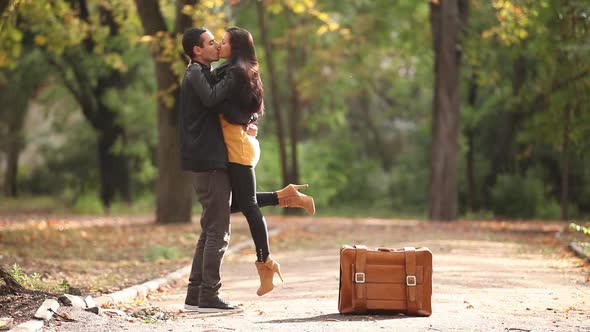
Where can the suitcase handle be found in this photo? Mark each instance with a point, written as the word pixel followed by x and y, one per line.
pixel 392 250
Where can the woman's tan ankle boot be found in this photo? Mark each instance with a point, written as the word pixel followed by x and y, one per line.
pixel 266 272
pixel 291 197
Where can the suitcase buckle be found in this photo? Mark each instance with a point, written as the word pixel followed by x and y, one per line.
pixel 359 277
pixel 411 280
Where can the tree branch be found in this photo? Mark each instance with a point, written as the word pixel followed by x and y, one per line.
pixel 558 85
pixel 69 85
pixel 563 83
pixel 77 87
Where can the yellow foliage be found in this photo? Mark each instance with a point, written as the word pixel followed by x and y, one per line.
pixel 188 10
pixel 40 40
pixel 116 61
pixel 213 3
pixel 298 8
pixel 146 39
pixel 275 8
pixel 514 20
pixel 309 3
pixel 322 16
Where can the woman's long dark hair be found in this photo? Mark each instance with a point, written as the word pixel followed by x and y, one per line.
pixel 245 67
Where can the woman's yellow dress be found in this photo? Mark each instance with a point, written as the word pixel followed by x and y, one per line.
pixel 241 147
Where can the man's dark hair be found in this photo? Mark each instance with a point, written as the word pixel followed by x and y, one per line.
pixel 192 38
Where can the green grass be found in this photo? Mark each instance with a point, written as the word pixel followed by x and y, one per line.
pixel 159 252
pixel 146 204
pixel 30 203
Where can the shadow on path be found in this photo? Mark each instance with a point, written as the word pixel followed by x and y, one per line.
pixel 338 318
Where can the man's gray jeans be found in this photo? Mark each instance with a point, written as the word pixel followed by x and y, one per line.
pixel 213 192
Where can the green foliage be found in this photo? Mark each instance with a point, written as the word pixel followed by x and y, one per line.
pixel 522 197
pixel 28 281
pixel 579 228
pixel 364 76
pixel 35 281
pixel 69 169
pixel 87 203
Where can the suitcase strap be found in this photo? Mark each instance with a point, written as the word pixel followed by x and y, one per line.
pixel 411 280
pixel 360 298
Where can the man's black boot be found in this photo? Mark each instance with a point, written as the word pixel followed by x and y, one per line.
pixel 191 302
pixel 209 301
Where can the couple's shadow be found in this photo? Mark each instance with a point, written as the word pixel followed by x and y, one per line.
pixel 336 317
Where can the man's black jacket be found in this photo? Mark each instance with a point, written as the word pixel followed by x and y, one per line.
pixel 201 139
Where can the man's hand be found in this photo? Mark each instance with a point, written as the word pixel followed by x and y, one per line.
pixel 252 130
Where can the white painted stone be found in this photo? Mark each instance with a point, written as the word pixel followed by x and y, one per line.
pixel 6 323
pixel 72 300
pixel 44 311
pixel 89 302
pixel 151 285
pixel 30 326
pixel 117 312
pixel 142 291
pixel 101 301
pixel 123 295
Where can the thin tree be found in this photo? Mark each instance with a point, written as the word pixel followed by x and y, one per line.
pixel 447 19
pixel 273 89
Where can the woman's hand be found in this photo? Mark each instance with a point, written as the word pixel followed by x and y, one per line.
pixel 252 130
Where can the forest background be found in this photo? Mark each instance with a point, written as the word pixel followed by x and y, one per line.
pixel 431 109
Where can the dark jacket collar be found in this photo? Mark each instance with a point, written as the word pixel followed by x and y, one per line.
pixel 200 64
pixel 224 65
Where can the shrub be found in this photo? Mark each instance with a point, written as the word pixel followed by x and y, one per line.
pixel 516 196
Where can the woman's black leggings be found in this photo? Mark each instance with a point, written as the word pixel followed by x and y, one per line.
pixel 243 184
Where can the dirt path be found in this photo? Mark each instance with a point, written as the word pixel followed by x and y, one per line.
pixel 484 280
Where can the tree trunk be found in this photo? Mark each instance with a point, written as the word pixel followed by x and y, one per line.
pixel 113 167
pixel 565 165
pixel 16 94
pixel 376 145
pixel 173 186
pixel 13 285
pixel 11 175
pixel 274 91
pixel 295 107
pixel 3 5
pixel 507 132
pixel 446 25
pixel 470 134
pixel 471 190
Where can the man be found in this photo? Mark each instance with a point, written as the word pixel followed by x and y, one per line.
pixel 203 152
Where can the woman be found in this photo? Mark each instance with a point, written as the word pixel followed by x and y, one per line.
pixel 244 106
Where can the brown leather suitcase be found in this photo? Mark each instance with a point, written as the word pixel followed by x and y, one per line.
pixel 384 280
